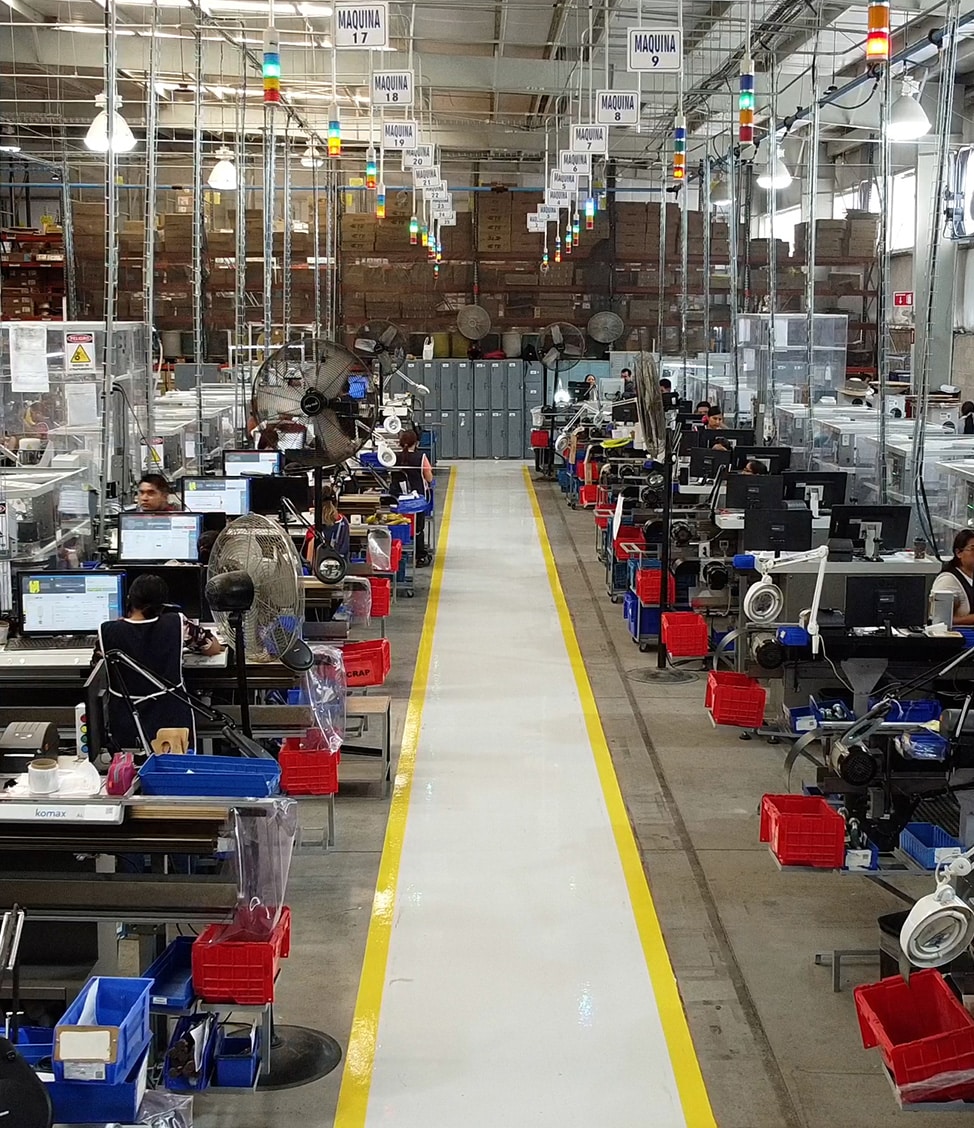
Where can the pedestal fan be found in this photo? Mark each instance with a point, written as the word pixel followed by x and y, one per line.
pixel 562 347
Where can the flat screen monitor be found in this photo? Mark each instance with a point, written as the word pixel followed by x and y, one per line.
pixel 578 389
pixel 251 463
pixel 704 463
pixel 777 530
pixel 610 387
pixel 267 494
pixel 804 485
pixel 77 602
pixel 885 601
pixel 755 491
pixel 158 537
pixel 893 520
pixel 704 437
pixel 776 459
pixel 185 583
pixel 217 495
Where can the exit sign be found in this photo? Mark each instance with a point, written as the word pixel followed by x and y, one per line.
pixel 903 298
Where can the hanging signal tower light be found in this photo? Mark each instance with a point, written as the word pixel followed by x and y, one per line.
pixel 590 213
pixel 576 227
pixel 371 170
pixel 413 231
pixel 334 132
pixel 380 201
pixel 271 68
pixel 877 36
pixel 680 148
pixel 745 104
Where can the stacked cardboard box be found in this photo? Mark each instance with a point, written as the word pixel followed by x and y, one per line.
pixel 830 239
pixel 862 229
pixel 358 233
pixel 760 250
pixel 631 232
pixel 253 227
pixel 494 222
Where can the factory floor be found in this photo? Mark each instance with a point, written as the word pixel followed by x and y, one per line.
pixel 520 977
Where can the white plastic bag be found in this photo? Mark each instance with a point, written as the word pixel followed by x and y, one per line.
pixel 427 348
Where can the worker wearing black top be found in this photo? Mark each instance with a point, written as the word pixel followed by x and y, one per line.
pixel 153 637
pixel 414 477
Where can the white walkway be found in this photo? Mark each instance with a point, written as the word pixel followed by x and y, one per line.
pixel 516 990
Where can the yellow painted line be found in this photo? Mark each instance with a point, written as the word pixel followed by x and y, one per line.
pixel 683 1057
pixel 353 1098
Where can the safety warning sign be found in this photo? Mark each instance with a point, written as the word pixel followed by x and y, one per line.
pixel 79 353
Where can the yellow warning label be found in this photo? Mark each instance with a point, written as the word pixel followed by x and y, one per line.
pixel 79 356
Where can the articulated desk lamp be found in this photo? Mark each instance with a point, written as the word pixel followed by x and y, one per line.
pixel 765 601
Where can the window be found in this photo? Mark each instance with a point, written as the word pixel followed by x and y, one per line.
pixel 784 225
pixel 902 222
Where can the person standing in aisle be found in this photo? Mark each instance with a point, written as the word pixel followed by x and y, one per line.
pixel 957 577
pixel 415 476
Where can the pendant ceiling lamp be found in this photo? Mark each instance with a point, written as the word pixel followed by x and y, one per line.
pixel 223 175
pixel 311 157
pixel 775 175
pixel 907 119
pixel 97 140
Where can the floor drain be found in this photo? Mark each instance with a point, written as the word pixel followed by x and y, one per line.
pixel 650 674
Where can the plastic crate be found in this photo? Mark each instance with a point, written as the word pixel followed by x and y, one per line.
pixel 367 663
pixel 225 776
pixel 735 702
pixel 172 977
pixel 923 1033
pixel 403 533
pixel 395 555
pixel 647 584
pixel 381 595
pixel 121 1005
pixel 801 719
pixel 88 1102
pixel 718 678
pixel 602 518
pixel 803 831
pixel 564 479
pixel 308 772
pixel 35 1043
pixel 237 1060
pixel 540 440
pixel 793 636
pixel 239 971
pixel 923 746
pixel 921 711
pixel 834 709
pixel 643 622
pixel 928 845
pixel 587 496
pixel 175 1080
pixel 685 634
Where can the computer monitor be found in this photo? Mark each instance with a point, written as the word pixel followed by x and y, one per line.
pixel 76 602
pixel 216 495
pixel 185 583
pixel 704 463
pixel 704 437
pixel 755 491
pixel 777 530
pixel 94 719
pixel 578 389
pixel 777 459
pixel 158 537
pixel 885 601
pixel 251 463
pixel 871 528
pixel 826 486
pixel 266 494
pixel 610 387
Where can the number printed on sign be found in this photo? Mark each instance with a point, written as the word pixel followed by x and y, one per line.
pixel 392 88
pixel 655 49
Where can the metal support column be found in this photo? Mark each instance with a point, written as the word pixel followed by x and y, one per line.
pixel 199 347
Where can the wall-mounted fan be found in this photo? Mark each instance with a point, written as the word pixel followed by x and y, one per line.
pixel 381 343
pixel 473 321
pixel 606 327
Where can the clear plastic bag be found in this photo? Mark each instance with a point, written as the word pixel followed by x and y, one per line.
pixel 356 606
pixel 379 550
pixel 263 842
pixel 161 1109
pixel 324 689
pixel 955 1085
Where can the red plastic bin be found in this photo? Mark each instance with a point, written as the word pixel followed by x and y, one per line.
pixel 803 830
pixel 239 971
pixel 381 594
pixel 305 771
pixel 648 584
pixel 395 558
pixel 540 439
pixel 735 702
pixel 603 517
pixel 685 634
pixel 587 496
pixel 367 663
pixel 925 1035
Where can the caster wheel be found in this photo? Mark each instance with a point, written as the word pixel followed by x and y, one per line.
pixel 572 505
pixel 744 736
pixel 644 648
pixel 614 599
pixel 773 740
pixel 408 593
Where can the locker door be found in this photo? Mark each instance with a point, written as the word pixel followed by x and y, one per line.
pixel 464 433
pixel 518 440
pixel 446 437
pixel 448 384
pixel 533 387
pixel 515 385
pixel 463 375
pixel 498 384
pixel 481 385
pixel 430 376
pixel 498 434
pixel 481 434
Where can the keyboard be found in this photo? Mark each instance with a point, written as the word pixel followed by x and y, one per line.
pixel 57 642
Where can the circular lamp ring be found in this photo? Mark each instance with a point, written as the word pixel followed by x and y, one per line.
pixel 392 424
pixel 330 566
pixel 935 934
pixel 764 602
pixel 386 456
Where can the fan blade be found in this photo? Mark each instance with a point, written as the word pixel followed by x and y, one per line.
pixel 550 358
pixel 573 350
pixel 389 336
pixel 556 334
pixel 272 403
pixel 387 364
pixel 366 345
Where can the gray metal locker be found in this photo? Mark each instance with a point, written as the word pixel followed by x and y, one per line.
pixel 463 373
pixel 518 439
pixel 448 384
pixel 464 434
pixel 498 434
pixel 481 434
pixel 481 385
pixel 533 388
pixel 498 384
pixel 446 435
pixel 515 385
pixel 430 376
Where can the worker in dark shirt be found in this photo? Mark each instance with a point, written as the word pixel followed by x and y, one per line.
pixel 414 474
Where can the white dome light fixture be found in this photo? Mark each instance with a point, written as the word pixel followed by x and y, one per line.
pixel 122 139
pixel 311 157
pixel 775 175
pixel 223 175
pixel 907 120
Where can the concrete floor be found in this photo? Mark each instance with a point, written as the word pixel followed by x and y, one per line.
pixel 777 1048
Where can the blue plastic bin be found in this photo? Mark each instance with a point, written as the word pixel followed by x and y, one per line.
pixel 411 505
pixel 176 1083
pixel 801 719
pixel 237 1062
pixel 172 977
pixel 89 1102
pixel 820 704
pixel 119 1003
pixel 927 709
pixel 35 1043
pixel 928 844
pixel 226 776
pixel 923 746
pixel 793 636
pixel 403 533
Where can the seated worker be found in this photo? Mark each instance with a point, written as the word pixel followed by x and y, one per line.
pixel 754 468
pixel 152 495
pixel 416 477
pixel 154 637
pixel 715 420
pixel 334 528
pixel 957 577
pixel 629 384
pixel 702 409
